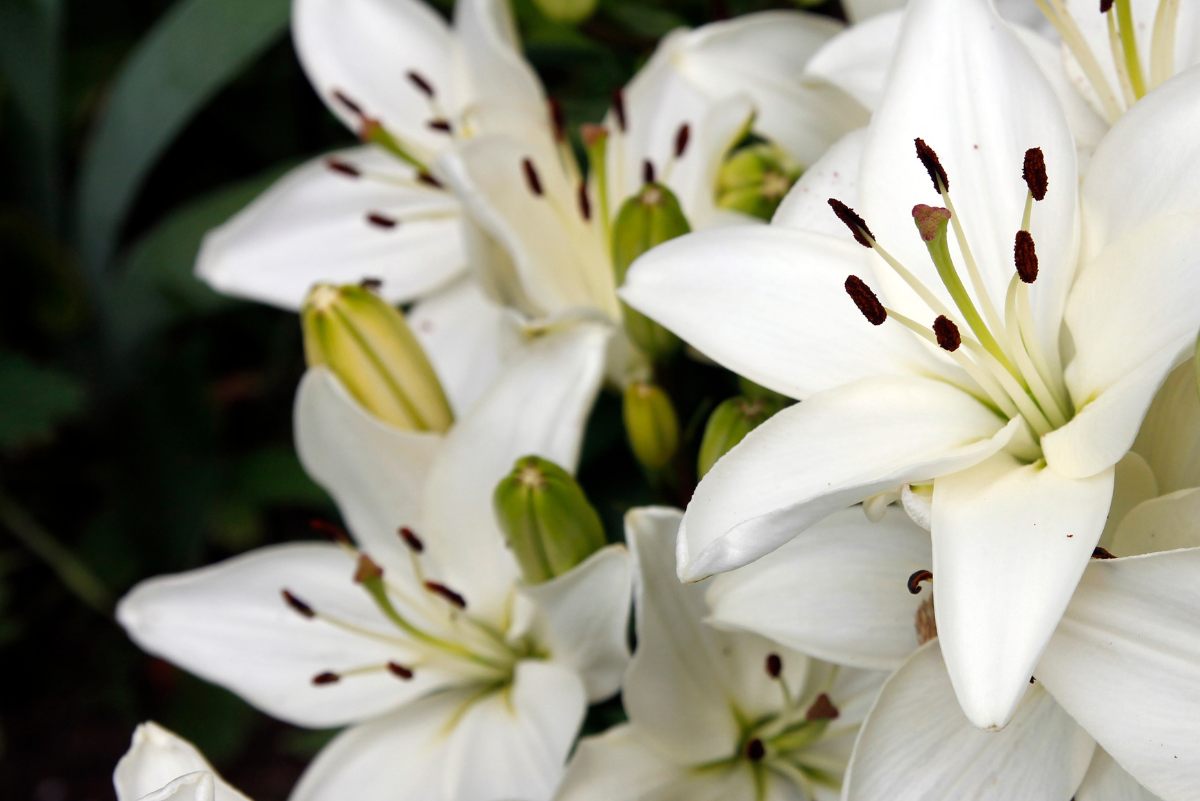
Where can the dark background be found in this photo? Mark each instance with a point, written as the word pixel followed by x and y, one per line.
pixel 145 422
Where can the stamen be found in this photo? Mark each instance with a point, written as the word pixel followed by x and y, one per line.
pixel 531 177
pixel 947 334
pixel 557 119
pixel 335 534
pixel 367 570
pixel 933 165
pixel 1133 62
pixel 337 165
pixel 380 220
pixel 1101 553
pixel 755 750
pixel 618 107
pixel 865 300
pixel 1022 352
pixel 648 171
pixel 371 284
pixel 423 86
pixel 1105 6
pixel 822 709
pixel 1162 46
pixel 353 107
pixel 681 140
pixel 450 595
pixel 400 671
pixel 328 677
pixel 427 179
pixel 914 581
pixel 1025 255
pixel 1123 77
pixel 1034 173
pixel 298 605
pixel 441 126
pixel 585 204
pixel 1057 14
pixel 857 225
pixel 411 539
pixel 774 665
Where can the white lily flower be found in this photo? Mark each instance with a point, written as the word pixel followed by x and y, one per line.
pixel 409 86
pixel 712 714
pixel 457 680
pixel 162 766
pixel 1020 451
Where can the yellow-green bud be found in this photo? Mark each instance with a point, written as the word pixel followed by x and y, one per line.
pixel 366 343
pixel 568 11
pixel 546 518
pixel 651 424
pixel 647 219
pixel 754 179
pixel 729 424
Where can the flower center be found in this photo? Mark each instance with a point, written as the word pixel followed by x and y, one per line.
pixel 1012 372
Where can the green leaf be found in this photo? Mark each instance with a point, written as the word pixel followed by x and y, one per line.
pixel 32 400
pixel 189 55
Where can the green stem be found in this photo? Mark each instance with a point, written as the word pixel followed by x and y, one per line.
pixel 1129 46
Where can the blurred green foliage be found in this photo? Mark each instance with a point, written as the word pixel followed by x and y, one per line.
pixel 144 420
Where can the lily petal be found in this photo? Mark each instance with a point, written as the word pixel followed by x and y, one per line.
pixel 806 205
pixel 539 405
pixel 490 64
pixel 228 624
pixel 837 591
pixel 782 317
pixel 819 456
pixel 192 787
pixel 857 59
pixel 1169 439
pixel 1010 542
pixel 155 758
pixel 1125 662
pixel 314 225
pixel 1108 781
pixel 457 746
pixel 916 745
pixel 373 471
pixel 1160 524
pixel 584 619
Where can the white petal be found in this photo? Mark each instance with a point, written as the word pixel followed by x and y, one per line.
pixel 770 303
pixel 1160 524
pixel 192 787
pixel 228 624
pixel 1125 662
pixel 832 450
pixel 858 10
pixel 457 746
pixel 467 338
pixel 837 591
pixel 857 60
pixel 539 405
pixel 1010 542
pixel 155 758
pixel 311 226
pixel 806 205
pixel 1133 484
pixel 1107 781
pixel 584 619
pixel 1169 439
pixel 491 68
pixel 1088 126
pixel 364 49
pixel 964 83
pixel 375 472
pixel 916 745
pixel 620 763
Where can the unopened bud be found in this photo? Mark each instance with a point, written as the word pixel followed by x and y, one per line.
pixel 365 342
pixel 546 519
pixel 754 180
pixel 651 424
pixel 729 424
pixel 647 219
pixel 568 11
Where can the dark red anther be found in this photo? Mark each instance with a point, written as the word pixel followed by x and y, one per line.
pixel 447 593
pixel 411 539
pixel 947 334
pixel 381 220
pixel 1105 6
pixel 681 140
pixel 1034 173
pixel 367 570
pixel 399 671
pixel 331 532
pixel 865 300
pixel 558 119
pixel 933 165
pixel 618 107
pixel 531 177
pixel 429 180
pixel 822 709
pixel 857 225
pixel 1101 553
pixel 648 171
pixel 755 750
pixel 441 126
pixel 774 665
pixel 418 80
pixel 914 581
pixel 585 203
pixel 353 107
pixel 1025 255
pixel 339 166
pixel 298 605
pixel 327 677
pixel 371 284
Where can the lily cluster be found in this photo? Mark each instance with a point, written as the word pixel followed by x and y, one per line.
pixel 945 540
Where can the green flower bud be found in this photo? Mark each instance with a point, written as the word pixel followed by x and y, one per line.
pixel 754 179
pixel 730 423
pixel 546 519
pixel 568 11
pixel 649 218
pixel 366 343
pixel 651 424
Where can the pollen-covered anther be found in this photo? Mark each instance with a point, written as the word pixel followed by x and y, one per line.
pixel 419 81
pixel 822 709
pixel 946 331
pixel 350 105
pixel 399 671
pixel 450 595
pixel 1025 256
pixel 334 533
pixel 411 539
pixel 865 300
pixel 755 750
pixel 857 225
pixel 930 220
pixel 328 677
pixel 367 570
pixel 774 665
pixel 558 119
pixel 342 167
pixel 914 581
pixel 371 284
pixel 585 203
pixel 379 220
pixel 441 126
pixel 933 165
pixel 648 171
pixel 429 180
pixel 1106 6
pixel 681 140
pixel 618 107
pixel 1101 553
pixel 531 177
pixel 296 604
pixel 1034 173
